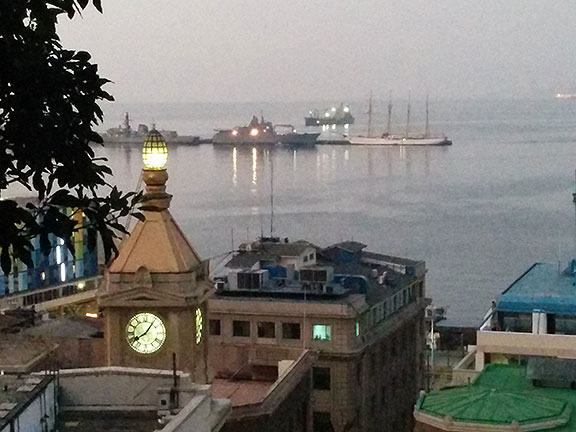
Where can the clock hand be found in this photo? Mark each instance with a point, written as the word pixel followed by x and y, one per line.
pixel 149 327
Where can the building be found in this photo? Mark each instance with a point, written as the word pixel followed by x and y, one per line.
pixel 361 312
pixel 28 403
pixel 269 398
pixel 59 274
pixel 521 375
pixel 96 399
pixel 153 295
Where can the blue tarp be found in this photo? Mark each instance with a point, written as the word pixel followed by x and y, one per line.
pixel 541 288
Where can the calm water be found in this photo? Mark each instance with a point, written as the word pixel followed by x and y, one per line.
pixel 479 212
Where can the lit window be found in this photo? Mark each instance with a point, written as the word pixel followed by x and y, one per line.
pixel 62 272
pixel 321 332
pixel 357 328
pixel 199 326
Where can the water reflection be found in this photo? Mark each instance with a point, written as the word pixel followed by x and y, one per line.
pixel 254 166
pixel 235 166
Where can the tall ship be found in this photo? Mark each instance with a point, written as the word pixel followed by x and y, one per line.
pixel 125 134
pixel 333 116
pixel 407 139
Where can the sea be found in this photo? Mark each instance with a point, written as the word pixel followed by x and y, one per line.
pixel 479 212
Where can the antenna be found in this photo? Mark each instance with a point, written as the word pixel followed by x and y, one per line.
pixel 427 130
pixel 370 115
pixel 389 113
pixel 574 201
pixel 408 115
pixel 271 195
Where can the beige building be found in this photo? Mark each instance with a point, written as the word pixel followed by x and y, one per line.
pixel 362 312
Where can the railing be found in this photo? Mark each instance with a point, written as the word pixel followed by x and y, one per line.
pixel 465 371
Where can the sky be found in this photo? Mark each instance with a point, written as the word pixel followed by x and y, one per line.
pixel 299 50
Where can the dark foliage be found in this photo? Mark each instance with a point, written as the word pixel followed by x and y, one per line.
pixel 48 107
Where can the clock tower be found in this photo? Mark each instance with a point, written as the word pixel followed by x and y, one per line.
pixel 153 295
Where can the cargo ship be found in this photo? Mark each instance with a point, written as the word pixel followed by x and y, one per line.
pixel 336 115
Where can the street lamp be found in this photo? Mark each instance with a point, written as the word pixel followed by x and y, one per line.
pixel 154 151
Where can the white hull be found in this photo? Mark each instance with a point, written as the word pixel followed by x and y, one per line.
pixel 398 141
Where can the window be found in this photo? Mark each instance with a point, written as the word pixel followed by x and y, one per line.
pixel 321 332
pixel 321 378
pixel 357 328
pixel 311 256
pixel 291 330
pixel 322 422
pixel 565 325
pixel 266 329
pixel 306 259
pixel 214 327
pixel 241 328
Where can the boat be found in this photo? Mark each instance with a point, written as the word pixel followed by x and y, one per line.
pixel 408 139
pixel 286 134
pixel 124 134
pixel 256 133
pixel 335 115
pixel 332 137
pixel 565 96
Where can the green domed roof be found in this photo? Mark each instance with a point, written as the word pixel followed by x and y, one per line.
pixel 502 395
pixel 486 405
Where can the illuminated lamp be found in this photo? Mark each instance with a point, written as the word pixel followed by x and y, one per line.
pixel 154 151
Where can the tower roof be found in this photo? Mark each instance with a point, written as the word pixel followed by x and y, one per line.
pixel 158 244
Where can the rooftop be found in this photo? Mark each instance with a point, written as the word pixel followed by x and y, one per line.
pixel 241 392
pixel 503 395
pixel 340 270
pixel 16 392
pixel 112 421
pixel 542 287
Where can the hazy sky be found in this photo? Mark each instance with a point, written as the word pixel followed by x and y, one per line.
pixel 271 50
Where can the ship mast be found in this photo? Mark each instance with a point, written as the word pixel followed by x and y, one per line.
pixel 389 114
pixel 271 195
pixel 574 201
pixel 369 134
pixel 427 130
pixel 408 116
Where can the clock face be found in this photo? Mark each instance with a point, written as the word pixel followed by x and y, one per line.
pixel 199 326
pixel 145 333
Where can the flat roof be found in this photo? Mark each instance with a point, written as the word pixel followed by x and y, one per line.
pixel 242 392
pixel 501 395
pixel 111 421
pixel 542 287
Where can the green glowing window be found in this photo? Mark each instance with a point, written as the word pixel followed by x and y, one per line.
pixel 321 332
pixel 357 328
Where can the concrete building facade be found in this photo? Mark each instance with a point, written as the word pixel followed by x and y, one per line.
pixel 362 312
